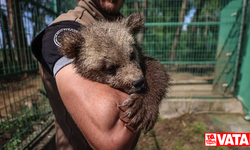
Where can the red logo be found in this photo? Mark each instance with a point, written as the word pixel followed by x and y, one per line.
pixel 227 139
pixel 210 139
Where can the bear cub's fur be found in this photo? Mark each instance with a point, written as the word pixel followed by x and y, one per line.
pixel 107 52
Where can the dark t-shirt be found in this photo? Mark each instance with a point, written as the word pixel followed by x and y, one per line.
pixel 47 52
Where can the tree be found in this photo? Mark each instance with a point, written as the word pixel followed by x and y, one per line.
pixel 18 32
pixel 178 31
pixel 6 38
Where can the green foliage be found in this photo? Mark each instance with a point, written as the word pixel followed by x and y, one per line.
pixel 16 128
pixel 199 127
pixel 63 6
pixel 20 125
pixel 159 118
pixel 196 47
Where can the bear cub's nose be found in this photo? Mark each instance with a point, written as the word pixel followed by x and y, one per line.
pixel 139 83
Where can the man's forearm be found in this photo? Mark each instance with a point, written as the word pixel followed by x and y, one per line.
pixel 93 106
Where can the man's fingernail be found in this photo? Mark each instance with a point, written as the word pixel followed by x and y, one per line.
pixel 122 108
pixel 130 128
pixel 123 121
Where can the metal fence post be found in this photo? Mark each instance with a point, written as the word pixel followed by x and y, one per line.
pixel 244 5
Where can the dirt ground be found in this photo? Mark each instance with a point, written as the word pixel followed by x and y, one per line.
pixel 187 132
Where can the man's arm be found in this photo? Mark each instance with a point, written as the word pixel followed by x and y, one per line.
pixel 93 106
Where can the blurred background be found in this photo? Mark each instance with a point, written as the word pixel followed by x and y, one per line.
pixel 204 44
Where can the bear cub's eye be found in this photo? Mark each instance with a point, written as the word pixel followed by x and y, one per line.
pixel 111 69
pixel 132 56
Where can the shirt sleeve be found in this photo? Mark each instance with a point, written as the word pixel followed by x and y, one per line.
pixel 51 55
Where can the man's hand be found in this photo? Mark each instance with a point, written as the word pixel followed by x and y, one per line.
pixel 125 119
pixel 143 108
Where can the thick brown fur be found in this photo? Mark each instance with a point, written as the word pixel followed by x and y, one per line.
pixel 107 52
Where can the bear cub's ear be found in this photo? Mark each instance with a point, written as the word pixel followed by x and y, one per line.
pixel 71 43
pixel 134 22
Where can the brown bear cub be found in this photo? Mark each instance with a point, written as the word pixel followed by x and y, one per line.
pixel 107 52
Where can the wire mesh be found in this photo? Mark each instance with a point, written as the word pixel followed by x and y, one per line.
pixel 24 109
pixel 184 35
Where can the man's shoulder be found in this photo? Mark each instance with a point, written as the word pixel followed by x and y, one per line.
pixel 79 14
pixel 64 24
pixel 65 17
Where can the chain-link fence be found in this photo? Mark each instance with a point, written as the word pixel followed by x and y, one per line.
pixel 24 109
pixel 196 39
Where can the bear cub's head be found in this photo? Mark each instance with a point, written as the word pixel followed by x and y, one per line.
pixel 107 52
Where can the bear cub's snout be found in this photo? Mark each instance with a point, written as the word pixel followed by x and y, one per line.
pixel 139 84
